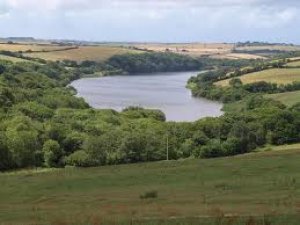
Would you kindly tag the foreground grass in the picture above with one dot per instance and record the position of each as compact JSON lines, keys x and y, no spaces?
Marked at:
{"x":287,"y":98}
{"x":189,"y":192}
{"x":279,"y":76}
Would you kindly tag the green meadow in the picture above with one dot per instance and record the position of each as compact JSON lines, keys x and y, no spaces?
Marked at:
{"x":256,"y":188}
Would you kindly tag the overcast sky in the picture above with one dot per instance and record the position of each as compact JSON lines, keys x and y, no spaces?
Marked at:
{"x":153,"y":20}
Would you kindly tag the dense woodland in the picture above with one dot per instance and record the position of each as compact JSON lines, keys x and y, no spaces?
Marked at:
{"x":43,"y":124}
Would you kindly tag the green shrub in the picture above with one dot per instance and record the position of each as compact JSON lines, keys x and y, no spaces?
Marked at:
{"x":149,"y":195}
{"x":78,"y":158}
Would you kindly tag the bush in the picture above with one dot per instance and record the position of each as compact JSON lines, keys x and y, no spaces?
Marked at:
{"x":78,"y":158}
{"x":149,"y":195}
{"x":52,"y":153}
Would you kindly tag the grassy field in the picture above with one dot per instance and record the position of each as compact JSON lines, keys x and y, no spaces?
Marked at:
{"x":294,"y":64}
{"x":270,"y":47}
{"x":215,"y":50}
{"x":238,"y":56}
{"x":27,"y":47}
{"x":13,"y":59}
{"x":279,"y":76}
{"x":94,"y":53}
{"x":287,"y":98}
{"x":215,"y":191}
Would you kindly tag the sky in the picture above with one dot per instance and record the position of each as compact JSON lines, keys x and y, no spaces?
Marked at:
{"x":153,"y":20}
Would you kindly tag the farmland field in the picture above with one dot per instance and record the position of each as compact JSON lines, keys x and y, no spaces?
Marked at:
{"x":30,"y":47}
{"x":287,"y":98}
{"x":270,"y":47}
{"x":257,"y":184}
{"x":94,"y":53}
{"x":279,"y":76}
{"x":13,"y":59}
{"x":238,"y":56}
{"x":215,"y":50}
{"x":294,"y":64}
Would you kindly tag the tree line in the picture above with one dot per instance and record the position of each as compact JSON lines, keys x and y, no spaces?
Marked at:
{"x":43,"y":124}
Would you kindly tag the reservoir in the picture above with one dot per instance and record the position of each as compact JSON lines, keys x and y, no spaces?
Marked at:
{"x":164,"y":91}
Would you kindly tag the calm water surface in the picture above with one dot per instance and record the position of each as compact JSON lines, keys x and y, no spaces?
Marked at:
{"x":164,"y":91}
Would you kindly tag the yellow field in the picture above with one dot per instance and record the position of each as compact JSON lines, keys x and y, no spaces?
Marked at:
{"x":93,"y":53}
{"x":279,"y":76}
{"x":27,"y":47}
{"x":269,"y":47}
{"x":214,"y":50}
{"x":238,"y":56}
{"x":196,"y":49}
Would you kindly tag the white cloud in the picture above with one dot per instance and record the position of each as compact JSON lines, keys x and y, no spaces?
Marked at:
{"x":171,"y":4}
{"x":159,"y":20}
{"x":269,"y":18}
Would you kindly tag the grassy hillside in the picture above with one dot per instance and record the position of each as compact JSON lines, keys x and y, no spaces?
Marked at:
{"x":93,"y":53}
{"x":287,"y":98}
{"x":279,"y":76}
{"x":13,"y":59}
{"x":265,"y":183}
{"x":294,"y":64}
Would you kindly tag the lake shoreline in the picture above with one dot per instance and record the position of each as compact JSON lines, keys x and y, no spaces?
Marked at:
{"x":165,"y":91}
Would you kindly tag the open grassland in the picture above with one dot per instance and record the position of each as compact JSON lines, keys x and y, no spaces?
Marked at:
{"x":13,"y":59}
{"x":93,"y":53}
{"x":279,"y":76}
{"x":287,"y":98}
{"x":215,"y":50}
{"x":294,"y":64}
{"x":286,"y":48}
{"x":30,"y":47}
{"x":193,"y":48}
{"x":188,"y":192}
{"x":238,"y":56}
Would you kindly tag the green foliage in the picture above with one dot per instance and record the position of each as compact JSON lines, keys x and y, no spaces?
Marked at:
{"x":44,"y":124}
{"x":52,"y":153}
{"x":154,"y":62}
{"x":79,"y":158}
{"x":138,"y":112}
{"x":149,"y":195}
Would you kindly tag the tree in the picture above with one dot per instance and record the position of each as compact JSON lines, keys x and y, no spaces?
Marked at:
{"x":78,"y":158}
{"x":52,"y":153}
{"x":235,"y":82}
{"x":22,"y":141}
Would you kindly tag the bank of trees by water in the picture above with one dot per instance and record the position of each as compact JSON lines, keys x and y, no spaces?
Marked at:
{"x":151,"y":63}
{"x":43,"y":124}
{"x":205,"y":84}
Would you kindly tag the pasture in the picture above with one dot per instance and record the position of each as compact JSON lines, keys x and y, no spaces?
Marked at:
{"x":82,"y":53}
{"x":30,"y":47}
{"x":279,"y":76}
{"x":287,"y":98}
{"x":278,"y":47}
{"x":294,"y":64}
{"x":264,"y":185}
{"x":13,"y":59}
{"x":215,"y":50}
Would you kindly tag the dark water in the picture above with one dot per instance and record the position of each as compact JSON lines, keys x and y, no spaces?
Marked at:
{"x":164,"y":91}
